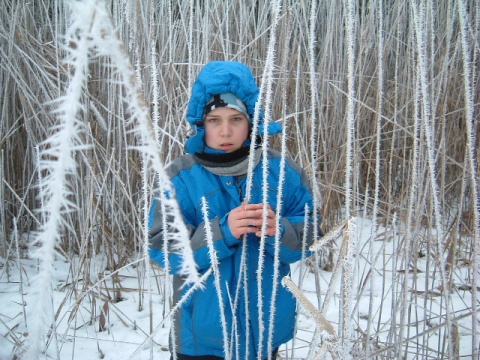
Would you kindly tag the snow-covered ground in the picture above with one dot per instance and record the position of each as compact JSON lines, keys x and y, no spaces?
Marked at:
{"x":125,"y":328}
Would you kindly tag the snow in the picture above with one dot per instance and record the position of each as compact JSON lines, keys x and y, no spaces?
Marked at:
{"x":126,"y":328}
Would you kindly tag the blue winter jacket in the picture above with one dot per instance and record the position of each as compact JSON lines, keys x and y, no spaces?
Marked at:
{"x":197,"y":325}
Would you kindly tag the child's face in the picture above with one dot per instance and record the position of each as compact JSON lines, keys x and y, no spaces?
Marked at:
{"x":226,"y":129}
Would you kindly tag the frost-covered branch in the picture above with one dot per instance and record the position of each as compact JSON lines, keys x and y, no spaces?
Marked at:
{"x":323,"y":325}
{"x":378,"y":163}
{"x":108,"y":44}
{"x":469,"y":77}
{"x":278,"y":211}
{"x":427,"y":112}
{"x":345,"y":309}
{"x":57,"y":162}
{"x":216,"y":276}
{"x":265,"y":88}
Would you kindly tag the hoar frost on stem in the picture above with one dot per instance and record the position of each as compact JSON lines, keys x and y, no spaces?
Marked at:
{"x":146,"y":186}
{"x":345,"y":230}
{"x":58,"y":163}
{"x":407,"y":250}
{"x":216,"y":276}
{"x":91,"y":32}
{"x":419,"y":22}
{"x":377,"y":165}
{"x":319,"y":318}
{"x":268,"y":101}
{"x":347,"y":281}
{"x":313,"y":104}
{"x":108,"y":44}
{"x":469,"y":76}
{"x":278,"y":211}
{"x":265,"y":87}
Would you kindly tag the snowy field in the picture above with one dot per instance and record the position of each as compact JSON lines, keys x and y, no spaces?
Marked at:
{"x":88,"y":327}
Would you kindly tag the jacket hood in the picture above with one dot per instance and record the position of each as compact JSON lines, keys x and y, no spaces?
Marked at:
{"x":218,"y":77}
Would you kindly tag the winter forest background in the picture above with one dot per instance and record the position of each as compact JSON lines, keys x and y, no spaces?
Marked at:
{"x":380,"y":101}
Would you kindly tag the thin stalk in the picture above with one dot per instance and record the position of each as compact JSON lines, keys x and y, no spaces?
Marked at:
{"x":419,"y":18}
{"x":59,"y":164}
{"x":216,"y":277}
{"x":268,"y":76}
{"x":409,"y":233}
{"x":347,"y":278}
{"x":378,"y":160}
{"x":3,"y":228}
{"x":468,"y":76}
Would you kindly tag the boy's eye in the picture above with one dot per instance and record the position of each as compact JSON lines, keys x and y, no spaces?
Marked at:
{"x":212,"y":120}
{"x":237,"y":118}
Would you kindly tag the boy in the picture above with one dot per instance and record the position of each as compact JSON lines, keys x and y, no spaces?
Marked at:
{"x":215,"y":167}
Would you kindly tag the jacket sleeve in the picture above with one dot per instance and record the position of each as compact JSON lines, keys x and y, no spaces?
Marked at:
{"x":297,"y":221}
{"x":223,"y":241}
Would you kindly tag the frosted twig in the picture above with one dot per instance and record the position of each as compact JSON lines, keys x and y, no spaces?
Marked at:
{"x":469,"y":76}
{"x":407,"y":250}
{"x":320,"y":320}
{"x":108,"y":44}
{"x":323,"y":325}
{"x":378,"y":162}
{"x":278,"y":211}
{"x":57,"y":161}
{"x":348,"y":285}
{"x":350,"y":113}
{"x":265,"y":87}
{"x":216,"y":276}
{"x":419,"y":19}
{"x":312,"y":36}
{"x":335,"y":274}
{"x":333,"y":234}
{"x":145,"y":245}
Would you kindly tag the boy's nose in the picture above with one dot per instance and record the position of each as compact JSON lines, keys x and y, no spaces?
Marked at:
{"x":225,"y":130}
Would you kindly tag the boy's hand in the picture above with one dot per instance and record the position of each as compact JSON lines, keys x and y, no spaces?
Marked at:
{"x":248,"y":218}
